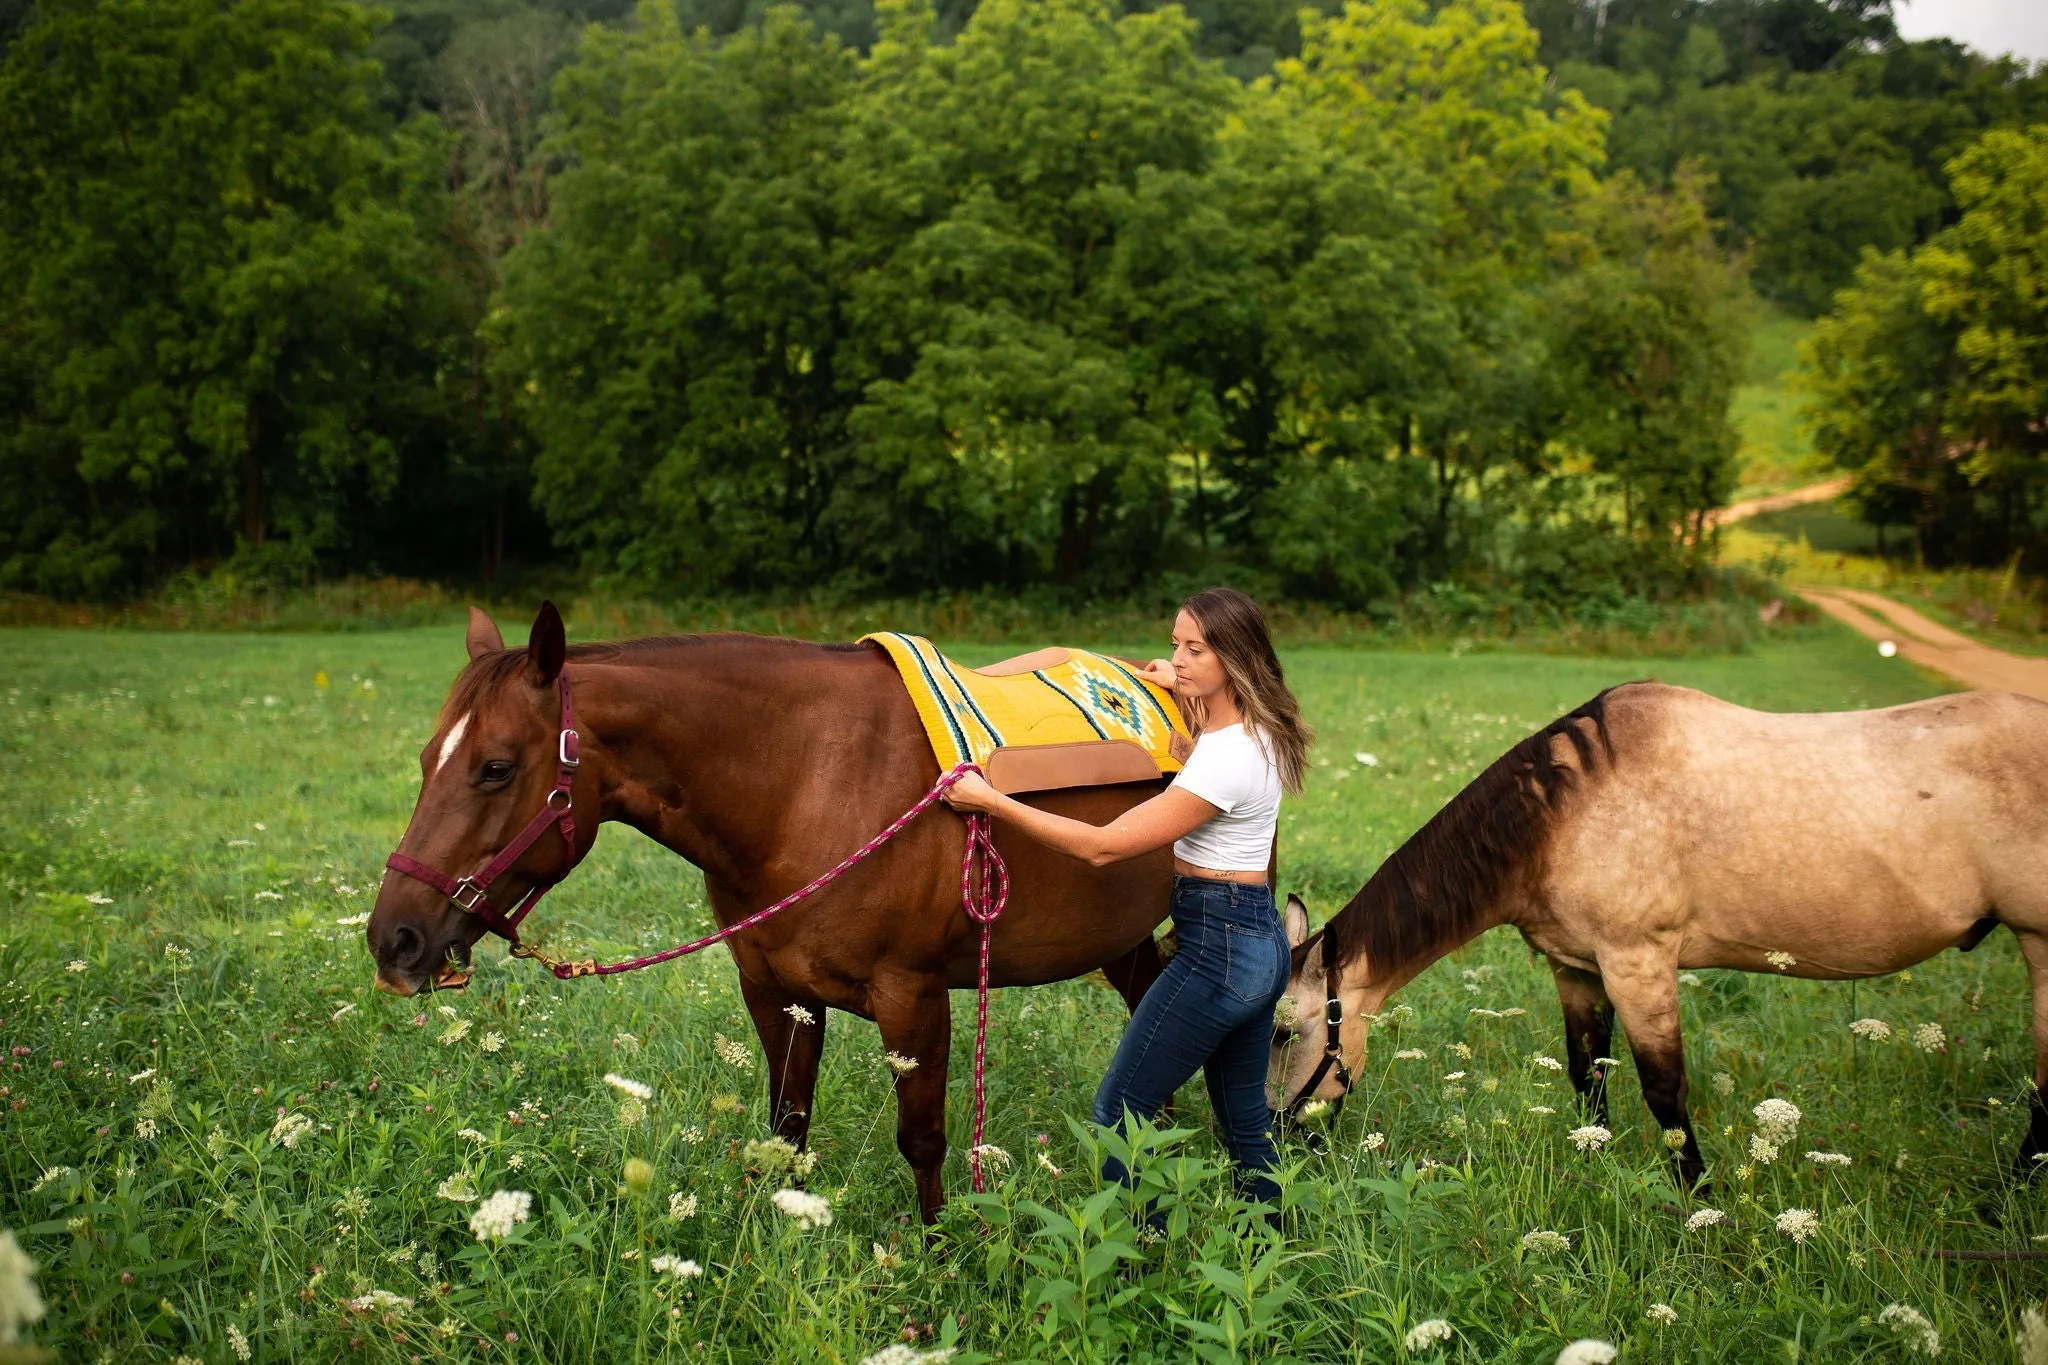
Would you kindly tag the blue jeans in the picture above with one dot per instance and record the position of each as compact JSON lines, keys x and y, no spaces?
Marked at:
{"x":1212,"y":1010}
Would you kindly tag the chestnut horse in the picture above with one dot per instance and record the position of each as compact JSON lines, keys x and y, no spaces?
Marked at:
{"x":763,"y":762}
{"x":1656,"y":828}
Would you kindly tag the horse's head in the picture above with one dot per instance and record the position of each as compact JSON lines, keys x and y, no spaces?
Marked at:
{"x":1316,"y":1042}
{"x":491,"y":769}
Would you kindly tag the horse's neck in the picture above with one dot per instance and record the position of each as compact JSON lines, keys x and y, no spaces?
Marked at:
{"x":1379,"y":983}
{"x":701,"y":746}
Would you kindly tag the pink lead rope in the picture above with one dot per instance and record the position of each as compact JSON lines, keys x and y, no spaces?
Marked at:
{"x":984,"y":891}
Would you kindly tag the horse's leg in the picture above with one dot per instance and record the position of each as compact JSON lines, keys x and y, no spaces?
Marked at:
{"x":1588,"y":1033}
{"x":793,"y":1048}
{"x":2025,"y":1166}
{"x":1645,"y":995}
{"x":916,"y":1020}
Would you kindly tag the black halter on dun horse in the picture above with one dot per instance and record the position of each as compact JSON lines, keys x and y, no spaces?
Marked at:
{"x":1656,"y":829}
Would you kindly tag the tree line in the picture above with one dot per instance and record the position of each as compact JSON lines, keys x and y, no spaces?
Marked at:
{"x":712,"y":298}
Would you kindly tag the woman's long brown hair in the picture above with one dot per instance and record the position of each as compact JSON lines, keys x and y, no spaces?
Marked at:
{"x":1235,"y":628}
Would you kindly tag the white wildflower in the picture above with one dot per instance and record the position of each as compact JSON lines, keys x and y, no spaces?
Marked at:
{"x":1547,"y":1063}
{"x":1427,"y":1335}
{"x":800,"y":1014}
{"x":217,"y":1144}
{"x":1828,"y":1158}
{"x":492,"y":1041}
{"x":809,"y":1210}
{"x":1373,"y":1142}
{"x":1918,"y":1331}
{"x":1544,"y":1240}
{"x":992,"y":1156}
{"x":1724,"y":1084}
{"x":1587,"y":1351}
{"x":1798,"y":1224}
{"x":141,"y":1076}
{"x":341,"y":1013}
{"x":2033,"y":1337}
{"x":351,"y":921}
{"x":1762,"y":1150}
{"x":730,"y":1052}
{"x":354,"y":1206}
{"x":1366,"y":760}
{"x":238,"y":1343}
{"x":457,"y":1189}
{"x":625,"y":1042}
{"x":51,"y":1177}
{"x":1783,"y":961}
{"x":886,"y":1259}
{"x":1045,"y":1163}
{"x":455,"y":1033}
{"x":770,"y":1154}
{"x":681,"y":1206}
{"x":1513,"y":1012}
{"x":1663,"y":1314}
{"x":1705,"y":1218}
{"x":1541,"y":1109}
{"x":290,"y":1130}
{"x":1483,"y":1013}
{"x":145,"y":1129}
{"x":1777,"y":1119}
{"x":380,"y":1301}
{"x":900,"y":1354}
{"x":635,"y":1089}
{"x":1314,"y":1109}
{"x":676,"y":1266}
{"x":1410,"y":1054}
{"x":20,"y":1304}
{"x":1876,"y":1030}
{"x":1930,"y":1038}
{"x":1589,"y":1138}
{"x":77,"y":964}
{"x":1454,"y":1075}
{"x":495,"y":1216}
{"x":471,"y":1135}
{"x":1688,"y":979}
{"x":899,"y":1063}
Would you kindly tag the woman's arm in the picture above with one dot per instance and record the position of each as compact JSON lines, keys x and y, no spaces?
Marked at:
{"x":1141,"y":829}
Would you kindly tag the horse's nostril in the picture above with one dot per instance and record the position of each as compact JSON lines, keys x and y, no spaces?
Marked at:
{"x":405,"y":947}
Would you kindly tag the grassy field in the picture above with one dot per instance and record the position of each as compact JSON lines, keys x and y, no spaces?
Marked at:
{"x":220,"y":1143}
{"x":1774,"y":454}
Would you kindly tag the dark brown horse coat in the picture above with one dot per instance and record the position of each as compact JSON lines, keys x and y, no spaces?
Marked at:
{"x":764,"y":762}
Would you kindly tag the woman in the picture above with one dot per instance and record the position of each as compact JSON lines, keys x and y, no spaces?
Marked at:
{"x":1212,"y":1008}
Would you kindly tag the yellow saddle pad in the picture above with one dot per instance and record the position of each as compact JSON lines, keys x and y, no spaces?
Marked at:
{"x":1070,"y":697}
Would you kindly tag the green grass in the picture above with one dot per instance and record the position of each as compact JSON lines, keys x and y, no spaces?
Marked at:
{"x":1774,"y":454}
{"x":187,"y":817}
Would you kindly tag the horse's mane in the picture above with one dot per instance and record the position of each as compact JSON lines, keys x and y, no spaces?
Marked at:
{"x":487,"y":672}
{"x":1434,"y":891}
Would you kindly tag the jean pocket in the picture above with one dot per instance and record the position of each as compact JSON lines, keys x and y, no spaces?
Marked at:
{"x":1251,"y":959}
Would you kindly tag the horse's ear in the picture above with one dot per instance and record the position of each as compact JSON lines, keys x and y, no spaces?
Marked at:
{"x":1296,"y":921}
{"x":483,"y":635}
{"x":547,"y":645}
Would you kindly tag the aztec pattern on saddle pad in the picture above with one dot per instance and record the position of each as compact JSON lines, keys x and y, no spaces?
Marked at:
{"x":968,"y":715}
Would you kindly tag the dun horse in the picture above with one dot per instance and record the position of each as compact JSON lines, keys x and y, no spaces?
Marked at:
{"x":1656,"y":828}
{"x":763,"y":762}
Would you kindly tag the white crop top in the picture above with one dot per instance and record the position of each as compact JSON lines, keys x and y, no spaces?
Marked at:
{"x":1231,"y":772}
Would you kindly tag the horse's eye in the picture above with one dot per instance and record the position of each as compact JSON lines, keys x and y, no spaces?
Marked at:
{"x":497,"y":770}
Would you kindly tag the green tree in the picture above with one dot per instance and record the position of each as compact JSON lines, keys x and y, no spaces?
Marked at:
{"x":224,"y":308}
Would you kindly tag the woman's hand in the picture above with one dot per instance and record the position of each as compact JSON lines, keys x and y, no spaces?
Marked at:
{"x":1160,"y":673}
{"x":972,"y":793}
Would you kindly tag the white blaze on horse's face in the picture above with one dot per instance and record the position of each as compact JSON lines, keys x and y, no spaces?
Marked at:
{"x":453,"y":741}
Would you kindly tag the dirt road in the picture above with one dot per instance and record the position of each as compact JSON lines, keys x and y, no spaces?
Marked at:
{"x":1931,"y":644}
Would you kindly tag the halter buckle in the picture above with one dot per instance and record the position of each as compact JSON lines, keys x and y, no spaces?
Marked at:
{"x":570,"y":760}
{"x":475,"y":895}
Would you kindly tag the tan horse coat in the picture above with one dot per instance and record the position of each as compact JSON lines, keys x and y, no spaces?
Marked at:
{"x":1658,"y":829}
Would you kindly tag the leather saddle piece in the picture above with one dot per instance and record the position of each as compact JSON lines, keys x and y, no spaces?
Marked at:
{"x":1085,"y":763}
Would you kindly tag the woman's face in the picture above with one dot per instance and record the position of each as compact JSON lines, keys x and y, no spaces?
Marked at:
{"x":1197,"y":669}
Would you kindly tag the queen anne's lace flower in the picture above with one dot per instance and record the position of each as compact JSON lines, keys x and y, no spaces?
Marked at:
{"x":1798,"y":1224}
{"x":457,"y":1188}
{"x":1547,"y":1063}
{"x":1427,"y":1335}
{"x":681,"y":1206}
{"x":732,"y":1053}
{"x":635,"y":1089}
{"x":290,"y":1130}
{"x":1876,"y":1030}
{"x":1587,"y":1351}
{"x":1910,"y":1324}
{"x":808,"y":1210}
{"x":20,"y":1304}
{"x":1544,"y":1240}
{"x":1589,"y":1138}
{"x":676,"y":1266}
{"x":899,"y":1063}
{"x":1777,"y":1120}
{"x":1663,"y":1314}
{"x":1828,"y":1158}
{"x":380,"y":1301}
{"x":495,"y":1216}
{"x":1930,"y":1038}
{"x":1705,"y":1218}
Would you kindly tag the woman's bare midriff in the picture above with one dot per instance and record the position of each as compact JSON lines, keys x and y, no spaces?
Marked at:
{"x":1187,"y":869}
